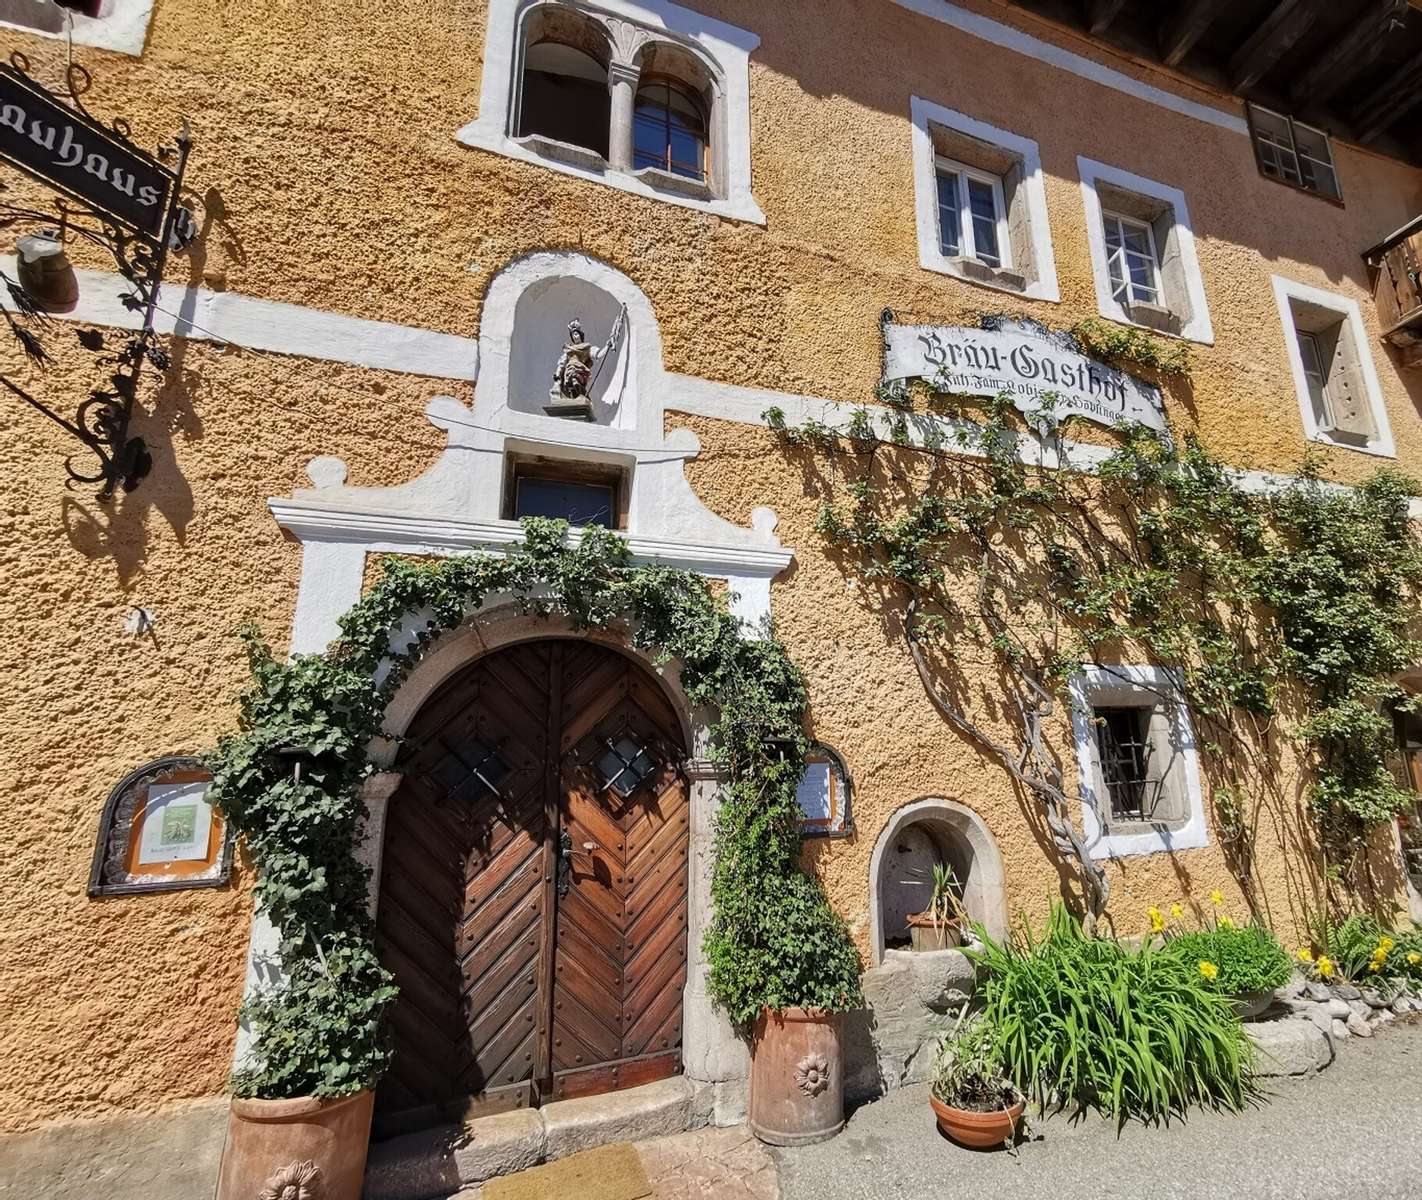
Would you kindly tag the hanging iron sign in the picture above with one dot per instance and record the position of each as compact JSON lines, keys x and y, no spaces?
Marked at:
{"x":73,"y":153}
{"x":1045,"y":373}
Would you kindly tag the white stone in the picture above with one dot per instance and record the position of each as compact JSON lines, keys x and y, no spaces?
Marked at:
{"x":1318,"y":992}
{"x":1340,"y":1030}
{"x":653,"y":1110}
{"x":1288,"y":1047}
{"x":437,"y":1161}
{"x":1359,"y":1027}
{"x":1338,"y":1008}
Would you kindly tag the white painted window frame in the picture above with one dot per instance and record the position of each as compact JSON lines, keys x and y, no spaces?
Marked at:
{"x":967,"y":237}
{"x":726,"y":45}
{"x":924,"y":115}
{"x":1199,"y":327}
{"x":1156,"y":284}
{"x":1287,"y":290}
{"x":1167,"y":685}
{"x":123,"y":28}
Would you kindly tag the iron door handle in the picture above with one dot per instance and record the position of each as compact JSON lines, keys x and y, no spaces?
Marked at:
{"x":565,"y":862}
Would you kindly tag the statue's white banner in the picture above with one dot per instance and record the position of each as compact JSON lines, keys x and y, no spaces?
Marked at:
{"x":1027,"y":362}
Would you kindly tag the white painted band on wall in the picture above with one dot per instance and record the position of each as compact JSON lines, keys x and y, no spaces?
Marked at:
{"x":204,"y":315}
{"x":1077,"y":64}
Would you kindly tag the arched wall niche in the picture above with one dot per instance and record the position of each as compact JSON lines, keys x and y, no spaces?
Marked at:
{"x":541,"y":318}
{"x":917,"y":836}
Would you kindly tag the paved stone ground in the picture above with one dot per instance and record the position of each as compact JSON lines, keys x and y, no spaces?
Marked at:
{"x":707,"y":1164}
{"x":1355,"y":1129}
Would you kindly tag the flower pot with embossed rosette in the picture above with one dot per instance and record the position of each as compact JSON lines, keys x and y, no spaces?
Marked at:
{"x":303,"y":1149}
{"x":797,"y":1077}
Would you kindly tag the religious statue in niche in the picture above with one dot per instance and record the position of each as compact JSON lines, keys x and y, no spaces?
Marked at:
{"x":577,"y":370}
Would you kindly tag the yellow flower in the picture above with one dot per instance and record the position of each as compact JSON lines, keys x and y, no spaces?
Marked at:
{"x":1217,"y":897}
{"x":1385,"y":944}
{"x":1157,"y":922}
{"x":1208,"y":970}
{"x":1324,"y":966}
{"x":1176,"y":911}
{"x":1372,"y":966}
{"x":1414,"y":958}
{"x":1224,"y":923}
{"x":1305,"y":955}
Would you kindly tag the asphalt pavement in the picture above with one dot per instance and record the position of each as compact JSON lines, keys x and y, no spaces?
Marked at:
{"x":1355,"y":1129}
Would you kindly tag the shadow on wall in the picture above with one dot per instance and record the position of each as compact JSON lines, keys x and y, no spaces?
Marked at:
{"x":119,"y":530}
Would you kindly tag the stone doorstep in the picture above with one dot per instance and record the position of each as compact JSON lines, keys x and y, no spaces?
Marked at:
{"x":434,"y":1163}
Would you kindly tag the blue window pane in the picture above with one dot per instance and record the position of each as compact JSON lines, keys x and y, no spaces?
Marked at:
{"x":950,"y":221}
{"x":669,"y":132}
{"x":576,"y":503}
{"x":984,"y":209}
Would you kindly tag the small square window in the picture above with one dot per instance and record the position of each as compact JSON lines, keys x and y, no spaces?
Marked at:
{"x":625,"y":766}
{"x":1298,"y":155}
{"x":972,"y":216}
{"x":470,"y":771}
{"x":579,"y":493}
{"x":1132,"y":260}
{"x":823,"y":794}
{"x":1338,"y":393}
{"x":1138,"y":768}
{"x":1123,"y":741}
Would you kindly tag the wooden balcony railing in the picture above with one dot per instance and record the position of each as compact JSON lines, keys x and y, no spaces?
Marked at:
{"x":1396,"y":268}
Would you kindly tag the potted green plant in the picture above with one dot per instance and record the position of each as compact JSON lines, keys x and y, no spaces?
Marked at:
{"x":1245,"y":963}
{"x":975,"y":1104}
{"x":939,"y":926}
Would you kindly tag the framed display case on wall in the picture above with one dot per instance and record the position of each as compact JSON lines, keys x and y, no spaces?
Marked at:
{"x":159,"y":833}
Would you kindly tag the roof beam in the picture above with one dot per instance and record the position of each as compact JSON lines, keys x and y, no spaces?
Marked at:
{"x":1179,"y":34}
{"x":1393,"y":98}
{"x":1349,"y":54}
{"x":1281,"y":30}
{"x":1100,"y":14}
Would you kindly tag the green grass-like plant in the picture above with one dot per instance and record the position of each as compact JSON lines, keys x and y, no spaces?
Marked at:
{"x":1249,"y":958}
{"x":1136,"y":1035}
{"x":1368,"y":952}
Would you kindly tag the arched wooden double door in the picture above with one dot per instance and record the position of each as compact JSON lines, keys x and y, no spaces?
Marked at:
{"x":533,"y":899}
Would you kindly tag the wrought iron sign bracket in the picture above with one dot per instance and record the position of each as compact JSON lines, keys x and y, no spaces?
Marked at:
{"x":112,"y":194}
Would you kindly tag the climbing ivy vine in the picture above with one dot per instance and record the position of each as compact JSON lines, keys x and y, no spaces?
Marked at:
{"x":1006,"y":566}
{"x":289,"y":781}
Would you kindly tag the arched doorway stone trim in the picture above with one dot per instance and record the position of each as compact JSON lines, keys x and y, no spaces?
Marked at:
{"x":985,"y":894}
{"x":711,"y":1051}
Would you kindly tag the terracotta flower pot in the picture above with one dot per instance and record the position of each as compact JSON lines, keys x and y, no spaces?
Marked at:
{"x":926,"y":937}
{"x":797,"y":1077}
{"x":303,"y":1149}
{"x":977,"y":1130}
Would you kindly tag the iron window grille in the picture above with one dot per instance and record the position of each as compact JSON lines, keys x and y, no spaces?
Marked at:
{"x":625,"y":766}
{"x":471,"y":771}
{"x":1123,"y":741}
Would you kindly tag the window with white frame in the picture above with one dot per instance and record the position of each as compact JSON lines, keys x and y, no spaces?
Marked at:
{"x":1139,"y":773}
{"x":1291,"y":153}
{"x":642,"y":95}
{"x":1143,"y":253}
{"x":1131,"y":260}
{"x":972,"y":216}
{"x":980,"y":202}
{"x":120,"y":25}
{"x":1339,"y":396}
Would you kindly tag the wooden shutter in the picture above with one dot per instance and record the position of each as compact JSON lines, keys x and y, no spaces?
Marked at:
{"x":1348,"y":411}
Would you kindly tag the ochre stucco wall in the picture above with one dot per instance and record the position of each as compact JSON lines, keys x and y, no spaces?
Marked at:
{"x":324,"y":153}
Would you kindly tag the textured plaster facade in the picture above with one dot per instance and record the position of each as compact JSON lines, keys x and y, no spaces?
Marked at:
{"x":325,"y":154}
